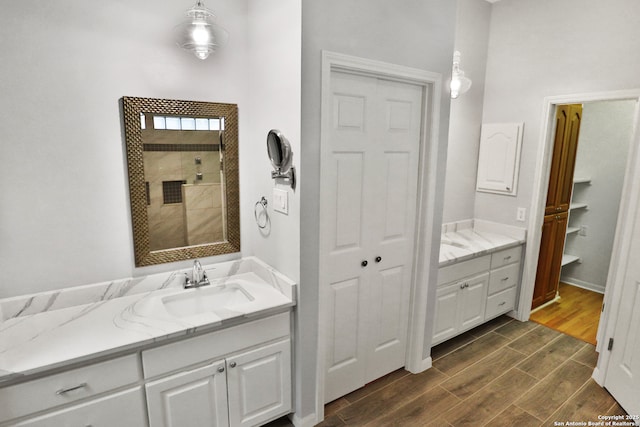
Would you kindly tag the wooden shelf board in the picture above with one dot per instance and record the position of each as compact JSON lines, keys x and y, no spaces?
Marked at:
{"x":571,"y":230}
{"x":582,"y":180}
{"x":568,"y":259}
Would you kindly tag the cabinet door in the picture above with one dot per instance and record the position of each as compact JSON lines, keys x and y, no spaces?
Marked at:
{"x":446,"y":319}
{"x":473,"y":300}
{"x":193,"y":398}
{"x":499,"y":158}
{"x":550,"y":258}
{"x":259,"y":383}
{"x":119,"y":409}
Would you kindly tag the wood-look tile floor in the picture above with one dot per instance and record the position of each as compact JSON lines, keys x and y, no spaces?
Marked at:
{"x":577,"y":313}
{"x":503,"y":373}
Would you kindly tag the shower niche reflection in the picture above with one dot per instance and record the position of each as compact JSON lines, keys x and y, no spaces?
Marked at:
{"x":183,"y":161}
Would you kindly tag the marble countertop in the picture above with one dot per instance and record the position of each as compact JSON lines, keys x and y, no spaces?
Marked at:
{"x":464,"y":240}
{"x":48,"y":331}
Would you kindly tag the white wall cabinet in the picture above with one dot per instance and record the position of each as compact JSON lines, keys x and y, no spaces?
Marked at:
{"x":499,"y":158}
{"x":472,"y":292}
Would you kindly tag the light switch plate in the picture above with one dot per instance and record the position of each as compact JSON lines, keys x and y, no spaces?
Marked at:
{"x":521,"y":214}
{"x":281,"y":201}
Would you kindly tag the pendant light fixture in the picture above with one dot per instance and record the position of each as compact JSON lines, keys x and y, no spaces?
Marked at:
{"x":199,"y":33}
{"x":459,"y":83}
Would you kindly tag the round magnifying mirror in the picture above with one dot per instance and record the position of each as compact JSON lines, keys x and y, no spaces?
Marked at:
{"x":279,"y":151}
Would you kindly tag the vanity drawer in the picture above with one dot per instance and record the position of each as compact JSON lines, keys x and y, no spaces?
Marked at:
{"x":457,"y":271}
{"x":125,"y":408}
{"x":67,"y":387}
{"x":508,"y":256}
{"x":214,"y":345}
{"x":503,"y":278}
{"x":500,"y":303}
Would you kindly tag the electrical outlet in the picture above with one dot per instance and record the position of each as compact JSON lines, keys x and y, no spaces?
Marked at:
{"x":280,"y":201}
{"x":521,"y":214}
{"x":584,"y":230}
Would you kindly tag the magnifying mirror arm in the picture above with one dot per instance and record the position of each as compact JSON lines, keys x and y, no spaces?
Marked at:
{"x":290,"y":175}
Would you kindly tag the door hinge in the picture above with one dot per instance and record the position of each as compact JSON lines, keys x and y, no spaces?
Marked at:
{"x":610,"y":344}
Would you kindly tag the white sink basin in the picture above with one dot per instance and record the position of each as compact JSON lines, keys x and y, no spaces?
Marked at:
{"x":206,"y":299}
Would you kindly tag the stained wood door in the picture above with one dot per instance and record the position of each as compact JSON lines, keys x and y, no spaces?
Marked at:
{"x":550,"y":258}
{"x":568,"y":118}
{"x":369,"y":187}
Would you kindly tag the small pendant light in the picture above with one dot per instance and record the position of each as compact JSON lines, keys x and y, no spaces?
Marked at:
{"x":199,"y":33}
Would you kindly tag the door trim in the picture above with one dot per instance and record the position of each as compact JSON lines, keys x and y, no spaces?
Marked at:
{"x":425,"y":259}
{"x":629,"y":203}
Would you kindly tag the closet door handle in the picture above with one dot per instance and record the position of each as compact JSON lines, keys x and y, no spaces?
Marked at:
{"x":364,"y":263}
{"x":378,"y":258}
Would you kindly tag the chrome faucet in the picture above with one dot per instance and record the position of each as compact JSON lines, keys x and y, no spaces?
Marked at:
{"x":198,"y":277}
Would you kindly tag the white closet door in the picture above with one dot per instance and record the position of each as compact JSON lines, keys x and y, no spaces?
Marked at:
{"x":368,"y":207}
{"x":623,"y":368}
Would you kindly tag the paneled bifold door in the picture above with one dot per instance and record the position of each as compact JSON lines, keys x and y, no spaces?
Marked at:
{"x":368,"y":210}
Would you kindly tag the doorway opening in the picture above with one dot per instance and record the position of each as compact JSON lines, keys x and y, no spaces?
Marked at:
{"x":586,"y":177}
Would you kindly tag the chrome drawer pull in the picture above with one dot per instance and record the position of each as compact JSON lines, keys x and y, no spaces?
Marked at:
{"x":502,"y":303}
{"x":507,"y":258}
{"x":505,"y":279}
{"x":67,"y":390}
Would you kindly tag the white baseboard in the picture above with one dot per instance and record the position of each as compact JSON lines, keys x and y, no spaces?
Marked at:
{"x":598,"y":376}
{"x":425,"y":364}
{"x":308,"y":421}
{"x":582,"y":284}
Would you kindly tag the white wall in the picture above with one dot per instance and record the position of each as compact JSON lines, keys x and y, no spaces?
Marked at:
{"x":472,"y":40}
{"x":413,"y":33}
{"x":540,"y":48}
{"x":603,"y":147}
{"x":274,"y":102}
{"x":66,"y":219}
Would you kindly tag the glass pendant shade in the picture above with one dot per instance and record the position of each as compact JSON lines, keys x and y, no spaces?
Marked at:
{"x":199,"y":33}
{"x":459,"y":83}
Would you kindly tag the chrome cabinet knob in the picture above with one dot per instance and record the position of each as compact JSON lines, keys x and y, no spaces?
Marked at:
{"x":378,"y":258}
{"x":232,"y":364}
{"x":221,"y":369}
{"x":364,"y":263}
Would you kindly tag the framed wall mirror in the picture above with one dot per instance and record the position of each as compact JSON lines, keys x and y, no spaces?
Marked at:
{"x":182,"y":158}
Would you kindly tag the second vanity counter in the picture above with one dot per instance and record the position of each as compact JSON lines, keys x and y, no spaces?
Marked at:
{"x":44,"y":332}
{"x":464,"y":240}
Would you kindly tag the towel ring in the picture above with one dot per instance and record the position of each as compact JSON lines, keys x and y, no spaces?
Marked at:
{"x":262,"y":203}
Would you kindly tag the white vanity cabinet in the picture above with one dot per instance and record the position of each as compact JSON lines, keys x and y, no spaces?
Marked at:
{"x":472,"y":292}
{"x":196,"y":397}
{"x":236,"y":376}
{"x":89,"y":395}
{"x":124,"y":408}
{"x":461,"y":297}
{"x":245,"y":381}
